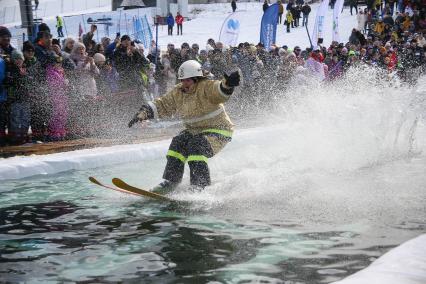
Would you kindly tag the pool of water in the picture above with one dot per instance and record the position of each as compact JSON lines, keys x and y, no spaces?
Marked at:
{"x":332,"y":179}
{"x":316,"y":228}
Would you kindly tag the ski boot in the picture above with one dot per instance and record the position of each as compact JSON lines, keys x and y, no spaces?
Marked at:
{"x":196,"y":188}
{"x":165,"y":187}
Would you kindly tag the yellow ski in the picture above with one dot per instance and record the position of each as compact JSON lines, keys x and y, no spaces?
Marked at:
{"x":95,"y":181}
{"x":141,"y":192}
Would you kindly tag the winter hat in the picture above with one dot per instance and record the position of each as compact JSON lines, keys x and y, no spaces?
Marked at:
{"x":28,"y":46}
{"x":77,"y":45}
{"x":43,"y":27}
{"x":253,"y":49}
{"x":68,"y":40}
{"x":42,"y":34}
{"x":5,"y":32}
{"x":125,"y":37}
{"x":16,"y":54}
{"x":98,"y":58}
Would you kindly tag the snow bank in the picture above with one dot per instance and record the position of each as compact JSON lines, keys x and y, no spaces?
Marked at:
{"x":21,"y":167}
{"x":405,"y":264}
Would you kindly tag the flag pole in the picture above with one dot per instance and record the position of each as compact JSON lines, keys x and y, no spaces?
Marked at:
{"x":309,"y":36}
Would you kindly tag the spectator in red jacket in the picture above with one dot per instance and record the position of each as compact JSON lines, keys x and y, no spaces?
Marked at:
{"x":179,"y":21}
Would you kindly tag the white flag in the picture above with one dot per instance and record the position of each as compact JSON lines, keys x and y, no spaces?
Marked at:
{"x":230,"y":30}
{"x":338,"y":6}
{"x":319,"y":22}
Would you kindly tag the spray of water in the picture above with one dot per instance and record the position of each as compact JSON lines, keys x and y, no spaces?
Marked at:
{"x":328,"y":152}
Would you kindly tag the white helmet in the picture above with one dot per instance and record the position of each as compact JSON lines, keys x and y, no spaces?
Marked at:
{"x":189,"y":69}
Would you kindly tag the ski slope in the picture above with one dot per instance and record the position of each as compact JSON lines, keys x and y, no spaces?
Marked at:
{"x":205,"y":22}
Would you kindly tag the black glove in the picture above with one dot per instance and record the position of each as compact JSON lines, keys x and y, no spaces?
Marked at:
{"x":233,"y":79}
{"x":134,"y":120}
{"x":143,"y":114}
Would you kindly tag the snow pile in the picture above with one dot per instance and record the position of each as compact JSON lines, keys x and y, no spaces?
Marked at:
{"x":405,"y":264}
{"x":21,"y":167}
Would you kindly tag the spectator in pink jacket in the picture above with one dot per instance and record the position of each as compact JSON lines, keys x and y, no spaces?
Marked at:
{"x":58,"y":96}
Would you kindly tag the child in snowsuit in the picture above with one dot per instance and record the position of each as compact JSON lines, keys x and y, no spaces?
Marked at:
{"x":288,"y":20}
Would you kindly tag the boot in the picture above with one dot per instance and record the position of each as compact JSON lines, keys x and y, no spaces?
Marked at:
{"x":165,"y":187}
{"x":196,"y":188}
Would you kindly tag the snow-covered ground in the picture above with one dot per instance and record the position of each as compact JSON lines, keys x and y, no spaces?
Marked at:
{"x":366,"y":117}
{"x":206,"y":22}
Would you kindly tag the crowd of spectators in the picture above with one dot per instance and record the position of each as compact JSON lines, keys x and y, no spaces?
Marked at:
{"x":81,"y":88}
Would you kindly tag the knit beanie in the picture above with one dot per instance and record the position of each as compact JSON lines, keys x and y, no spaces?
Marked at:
{"x":125,"y":37}
{"x":16,"y":54}
{"x":28,"y":46}
{"x":99,"y":57}
{"x":5,"y":32}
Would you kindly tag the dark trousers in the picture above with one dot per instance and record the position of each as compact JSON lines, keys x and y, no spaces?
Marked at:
{"x":356,"y":8}
{"x":194,"y":149}
{"x":40,"y":114}
{"x":185,"y":147}
{"x":179,"y":27}
{"x":20,"y":118}
{"x":4,"y":118}
{"x":60,"y":33}
{"x":280,"y":17}
{"x":170,"y":30}
{"x":304,"y":20}
{"x":288,"y":26}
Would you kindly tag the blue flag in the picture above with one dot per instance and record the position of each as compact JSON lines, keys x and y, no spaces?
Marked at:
{"x":268,"y":26}
{"x":143,"y":34}
{"x":147,"y":29}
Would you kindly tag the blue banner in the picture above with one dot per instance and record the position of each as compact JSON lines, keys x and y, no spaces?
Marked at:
{"x":268,"y":26}
{"x":147,"y":29}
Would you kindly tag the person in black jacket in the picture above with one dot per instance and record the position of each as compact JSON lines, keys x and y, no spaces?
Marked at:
{"x":306,"y":9}
{"x":296,"y":15}
{"x":265,"y":6}
{"x":6,"y":50}
{"x":129,"y":63}
{"x":353,"y":4}
{"x":19,"y":86}
{"x":233,"y":5}
{"x":43,"y":51}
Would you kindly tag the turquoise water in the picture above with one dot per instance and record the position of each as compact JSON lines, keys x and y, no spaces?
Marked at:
{"x":332,"y":179}
{"x":62,"y":228}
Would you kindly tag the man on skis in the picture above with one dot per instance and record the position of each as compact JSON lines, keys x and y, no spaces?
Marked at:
{"x":199,"y":103}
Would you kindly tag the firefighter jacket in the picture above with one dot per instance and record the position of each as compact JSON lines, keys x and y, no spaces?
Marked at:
{"x":201,"y":108}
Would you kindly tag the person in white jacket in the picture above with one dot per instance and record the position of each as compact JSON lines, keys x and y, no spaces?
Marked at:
{"x":361,"y":18}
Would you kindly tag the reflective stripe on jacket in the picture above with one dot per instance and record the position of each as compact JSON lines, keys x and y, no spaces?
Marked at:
{"x":200,"y":109}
